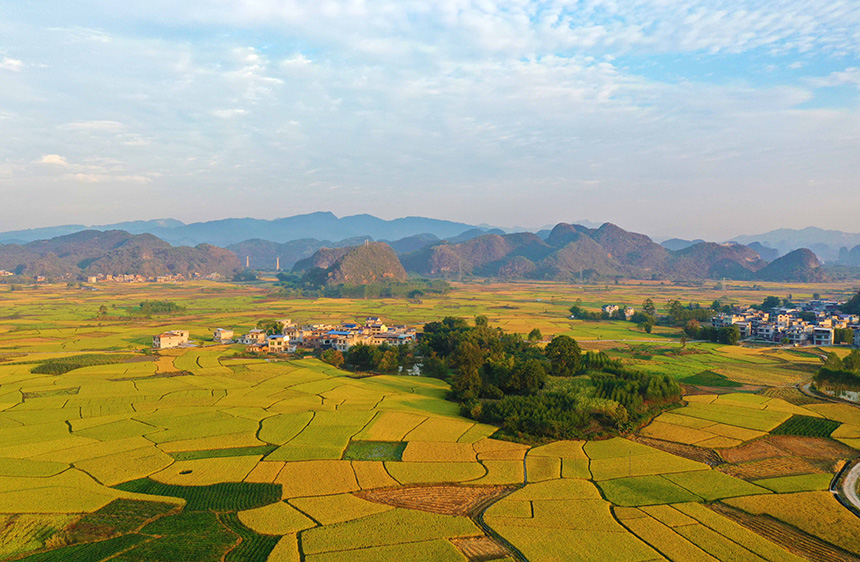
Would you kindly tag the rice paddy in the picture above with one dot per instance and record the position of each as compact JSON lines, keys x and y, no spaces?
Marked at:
{"x":255,"y":459}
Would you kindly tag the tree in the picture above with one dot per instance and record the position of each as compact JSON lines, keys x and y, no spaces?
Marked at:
{"x":245,"y":275}
{"x":535,"y":335}
{"x":527,"y":377}
{"x":388,"y":362}
{"x":816,"y":296}
{"x":361,"y":357}
{"x":564,"y":356}
{"x":852,"y":361}
{"x":103,"y":310}
{"x":843,"y":335}
{"x":771,"y":302}
{"x":333,"y":357}
{"x":271,"y":327}
{"x":729,"y":335}
{"x":647,"y":325}
{"x":481,"y":321}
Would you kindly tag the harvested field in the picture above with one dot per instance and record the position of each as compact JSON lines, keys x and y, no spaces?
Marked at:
{"x":445,"y":500}
{"x":480,"y":549}
{"x":780,"y":466}
{"x":698,"y":454}
{"x":812,"y":447}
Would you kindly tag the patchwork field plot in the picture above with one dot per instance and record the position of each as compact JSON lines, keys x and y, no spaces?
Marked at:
{"x":194,"y":454}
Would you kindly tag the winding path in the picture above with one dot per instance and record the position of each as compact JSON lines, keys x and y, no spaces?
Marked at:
{"x":848,"y":490}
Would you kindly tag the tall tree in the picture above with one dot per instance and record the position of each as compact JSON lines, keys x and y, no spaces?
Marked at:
{"x":564,"y":356}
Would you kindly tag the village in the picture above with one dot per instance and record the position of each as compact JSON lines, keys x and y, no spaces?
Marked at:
{"x":290,"y":337}
{"x":812,"y":323}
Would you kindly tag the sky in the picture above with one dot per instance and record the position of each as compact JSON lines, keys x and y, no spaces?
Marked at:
{"x":690,"y":118}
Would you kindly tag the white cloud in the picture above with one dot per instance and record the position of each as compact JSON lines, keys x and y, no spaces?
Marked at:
{"x":96,"y":126}
{"x":14,"y":65}
{"x":229,"y":113}
{"x":849,"y":76}
{"x":53,"y":160}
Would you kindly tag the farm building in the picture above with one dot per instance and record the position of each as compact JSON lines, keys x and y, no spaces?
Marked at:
{"x":223,"y":336}
{"x":173,"y":338}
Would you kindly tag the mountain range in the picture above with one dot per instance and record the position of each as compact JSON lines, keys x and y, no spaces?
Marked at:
{"x":91,"y":252}
{"x":428,"y":247}
{"x":233,"y":231}
{"x":572,"y":252}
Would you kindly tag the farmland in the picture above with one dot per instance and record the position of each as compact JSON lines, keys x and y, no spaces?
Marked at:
{"x":110,"y":452}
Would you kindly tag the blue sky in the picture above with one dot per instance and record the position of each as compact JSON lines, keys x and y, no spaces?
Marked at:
{"x":671,"y":117}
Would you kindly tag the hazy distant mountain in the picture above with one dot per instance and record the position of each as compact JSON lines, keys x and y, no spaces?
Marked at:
{"x":800,"y":265}
{"x":768,"y":254}
{"x":319,"y":226}
{"x":571,"y":252}
{"x":114,"y":252}
{"x":676,"y":244}
{"x":133,"y":227}
{"x":825,"y":243}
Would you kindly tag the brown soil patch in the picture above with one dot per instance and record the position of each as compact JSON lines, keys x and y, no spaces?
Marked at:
{"x":707,"y":456}
{"x":780,"y":466}
{"x":480,"y":549}
{"x":790,"y":538}
{"x":812,"y":447}
{"x":753,"y":451}
{"x":447,"y":500}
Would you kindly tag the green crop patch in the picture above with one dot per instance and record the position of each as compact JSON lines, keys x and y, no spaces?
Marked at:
{"x":710,"y":378}
{"x":221,"y":453}
{"x":118,"y":517}
{"x":254,"y":547}
{"x":374,"y":451}
{"x":229,"y":496}
{"x":806,"y":426}
{"x":62,"y":365}
{"x":90,"y":552}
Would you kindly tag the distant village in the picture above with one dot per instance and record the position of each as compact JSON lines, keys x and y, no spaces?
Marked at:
{"x":108,"y":278}
{"x":814,"y":323}
{"x":293,"y":337}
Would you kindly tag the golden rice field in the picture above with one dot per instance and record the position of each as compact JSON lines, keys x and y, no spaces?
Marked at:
{"x":263,"y":460}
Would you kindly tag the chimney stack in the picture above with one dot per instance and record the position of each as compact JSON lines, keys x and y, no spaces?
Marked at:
{"x":277,"y":264}
{"x":248,"y":262}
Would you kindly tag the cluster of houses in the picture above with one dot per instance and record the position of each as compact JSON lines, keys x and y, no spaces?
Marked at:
{"x":611,"y":309}
{"x":292,"y":336}
{"x":108,"y":278}
{"x":793,"y":326}
{"x":321,"y":336}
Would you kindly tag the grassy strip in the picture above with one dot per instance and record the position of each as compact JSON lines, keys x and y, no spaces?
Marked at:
{"x":230,"y":496}
{"x":806,"y":426}
{"x":374,"y":451}
{"x":221,"y":453}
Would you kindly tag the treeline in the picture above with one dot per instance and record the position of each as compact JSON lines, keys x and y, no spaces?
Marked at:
{"x":62,"y":365}
{"x":385,"y":359}
{"x":291,"y":285}
{"x":156,"y":308}
{"x":843,"y":374}
{"x":501,"y":378}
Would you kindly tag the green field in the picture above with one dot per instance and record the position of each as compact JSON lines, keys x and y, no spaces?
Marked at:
{"x":110,"y":451}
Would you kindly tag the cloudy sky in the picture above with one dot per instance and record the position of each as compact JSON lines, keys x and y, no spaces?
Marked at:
{"x":705,"y":118}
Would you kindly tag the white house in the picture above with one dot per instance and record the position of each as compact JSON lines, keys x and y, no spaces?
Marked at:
{"x":166,"y":340}
{"x":223,"y":336}
{"x":254,"y":337}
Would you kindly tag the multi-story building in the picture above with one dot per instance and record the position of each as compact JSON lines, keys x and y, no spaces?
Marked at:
{"x":223,"y":336}
{"x":167,"y":340}
{"x":822,"y":336}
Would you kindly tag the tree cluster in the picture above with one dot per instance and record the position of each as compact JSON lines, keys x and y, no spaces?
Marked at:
{"x":840,"y":373}
{"x":501,"y":378}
